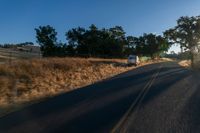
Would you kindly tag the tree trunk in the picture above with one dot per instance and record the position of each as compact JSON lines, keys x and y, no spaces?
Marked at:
{"x":192,"y":59}
{"x":192,"y":52}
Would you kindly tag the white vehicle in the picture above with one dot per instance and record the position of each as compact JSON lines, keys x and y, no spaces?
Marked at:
{"x":133,"y":60}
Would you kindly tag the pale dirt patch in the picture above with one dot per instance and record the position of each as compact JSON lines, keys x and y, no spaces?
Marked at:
{"x":167,"y":59}
{"x":185,"y":63}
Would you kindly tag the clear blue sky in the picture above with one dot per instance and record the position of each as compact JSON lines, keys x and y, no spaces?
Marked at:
{"x":18,"y":18}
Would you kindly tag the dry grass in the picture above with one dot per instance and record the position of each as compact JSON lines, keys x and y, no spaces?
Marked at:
{"x":30,"y":80}
{"x":26,"y":81}
{"x":167,"y":59}
{"x":185,"y":63}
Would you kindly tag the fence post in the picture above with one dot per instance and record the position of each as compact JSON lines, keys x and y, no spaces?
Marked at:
{"x":10,"y":57}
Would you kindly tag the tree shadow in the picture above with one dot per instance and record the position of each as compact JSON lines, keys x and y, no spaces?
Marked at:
{"x":190,"y":114}
{"x":164,"y":81}
{"x":114,"y":63}
{"x":101,"y":104}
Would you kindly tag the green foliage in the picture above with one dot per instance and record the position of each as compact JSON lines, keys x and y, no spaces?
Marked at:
{"x":130,"y":45}
{"x":185,"y":55}
{"x":151,"y":45}
{"x":94,"y":42}
{"x":186,"y":33}
{"x":46,"y":38}
{"x":144,"y":58}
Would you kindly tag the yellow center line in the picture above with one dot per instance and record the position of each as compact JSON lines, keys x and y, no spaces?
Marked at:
{"x":138,"y":100}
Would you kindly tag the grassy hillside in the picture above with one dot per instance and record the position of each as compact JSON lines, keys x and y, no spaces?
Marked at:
{"x":7,"y":54}
{"x":30,"y":80}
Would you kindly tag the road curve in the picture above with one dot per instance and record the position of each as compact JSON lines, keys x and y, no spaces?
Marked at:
{"x":162,"y":97}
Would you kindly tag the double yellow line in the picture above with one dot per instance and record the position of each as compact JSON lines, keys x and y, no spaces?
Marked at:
{"x":120,"y":127}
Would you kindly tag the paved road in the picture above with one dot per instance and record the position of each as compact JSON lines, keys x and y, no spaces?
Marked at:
{"x":156,"y":98}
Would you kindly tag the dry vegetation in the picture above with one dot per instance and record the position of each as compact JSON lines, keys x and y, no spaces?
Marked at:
{"x":30,"y":80}
{"x":185,"y":63}
{"x":27,"y":81}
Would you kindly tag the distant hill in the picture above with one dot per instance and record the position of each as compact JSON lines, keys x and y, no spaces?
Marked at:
{"x":24,"y":52}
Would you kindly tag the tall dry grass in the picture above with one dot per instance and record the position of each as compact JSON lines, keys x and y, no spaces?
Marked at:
{"x":30,"y":80}
{"x":185,"y":63}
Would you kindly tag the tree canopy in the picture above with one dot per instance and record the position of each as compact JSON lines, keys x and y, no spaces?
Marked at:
{"x":46,"y":38}
{"x":186,"y":33}
{"x":95,"y":42}
{"x":151,"y":45}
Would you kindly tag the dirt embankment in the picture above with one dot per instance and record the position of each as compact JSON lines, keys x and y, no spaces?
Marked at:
{"x":27,"y":81}
{"x":185,"y":63}
{"x":30,"y":80}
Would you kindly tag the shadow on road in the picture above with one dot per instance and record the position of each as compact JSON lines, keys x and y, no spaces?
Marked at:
{"x":96,"y":107}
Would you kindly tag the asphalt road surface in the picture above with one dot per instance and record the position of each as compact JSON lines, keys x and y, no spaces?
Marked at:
{"x":157,"y":98}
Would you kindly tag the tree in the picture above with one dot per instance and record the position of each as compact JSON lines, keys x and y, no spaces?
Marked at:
{"x":130,"y":45}
{"x":186,"y":33}
{"x":25,"y":43}
{"x":97,"y":42}
{"x":162,"y":45}
{"x":92,"y":40}
{"x":117,"y":33}
{"x":46,"y":37}
{"x":117,"y":41}
{"x":70,"y":50}
{"x":76,"y":41}
{"x":151,"y":45}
